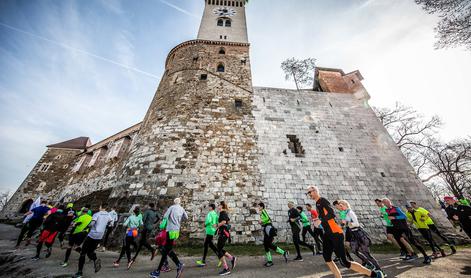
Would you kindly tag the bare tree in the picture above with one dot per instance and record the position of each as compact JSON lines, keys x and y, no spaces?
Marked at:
{"x":301,"y":71}
{"x":4,"y":197}
{"x":454,"y":29}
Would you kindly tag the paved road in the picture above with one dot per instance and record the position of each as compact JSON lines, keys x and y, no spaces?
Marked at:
{"x":17,"y":263}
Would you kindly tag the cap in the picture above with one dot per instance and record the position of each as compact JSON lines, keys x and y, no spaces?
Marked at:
{"x":446,"y":198}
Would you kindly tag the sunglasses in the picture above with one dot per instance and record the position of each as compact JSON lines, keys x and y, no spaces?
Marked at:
{"x":309,"y":192}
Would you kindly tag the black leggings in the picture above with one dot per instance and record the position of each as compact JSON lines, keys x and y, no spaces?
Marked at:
{"x":316,"y":234}
{"x":143,"y":242}
{"x":334,"y":243}
{"x":268,"y":239}
{"x":208,"y":242}
{"x":28,"y":229}
{"x":167,"y":251}
{"x":407,"y":234}
{"x":360,"y":245}
{"x":88,"y":249}
{"x":220,"y":245}
{"x":428,"y":236}
{"x":434,"y":229}
{"x":297,"y":242}
{"x":127,"y":242}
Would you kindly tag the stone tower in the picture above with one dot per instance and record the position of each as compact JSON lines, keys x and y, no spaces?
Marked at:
{"x":198,"y":140}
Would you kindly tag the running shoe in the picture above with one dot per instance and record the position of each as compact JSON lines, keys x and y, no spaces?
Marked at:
{"x":200,"y":263}
{"x":224,"y":272}
{"x":427,"y":260}
{"x":403,"y":254}
{"x":298,"y":259}
{"x":233,"y":262}
{"x":78,"y":275}
{"x":97,"y":264}
{"x":35,"y":258}
{"x":179,"y":270}
{"x":165,"y":268}
{"x":48,"y":252}
{"x":64,"y":264}
{"x":268,"y":264}
{"x":378,"y":273}
{"x":116,"y":264}
{"x":453,"y":249}
{"x":130,"y":263}
{"x":155,"y":274}
{"x":285,"y":256}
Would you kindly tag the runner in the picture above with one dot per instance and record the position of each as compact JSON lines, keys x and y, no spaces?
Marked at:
{"x":418,"y":219}
{"x":78,"y":234}
{"x":401,"y":229}
{"x":109,"y":228}
{"x":98,"y":225}
{"x":69,"y":217}
{"x":132,"y":225}
{"x":434,"y":228}
{"x":360,"y":241}
{"x":318,"y":232}
{"x":347,"y":233}
{"x":34,"y":223}
{"x":293,"y":219}
{"x":51,"y":226}
{"x":389,"y":230}
{"x":210,"y":224}
{"x":171,"y":222}
{"x":333,"y":240}
{"x":149,"y":219}
{"x":224,"y":235}
{"x":306,"y":225}
{"x":459,"y":213}
{"x":269,"y":233}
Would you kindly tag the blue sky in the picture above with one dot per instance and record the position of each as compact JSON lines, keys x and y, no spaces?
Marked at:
{"x":72,"y":68}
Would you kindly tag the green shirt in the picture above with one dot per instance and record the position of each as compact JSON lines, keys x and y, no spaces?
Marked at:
{"x":384,"y":214}
{"x":265,"y":218}
{"x":82,"y":223}
{"x":304,"y":219}
{"x":425,"y":213}
{"x":211,"y":220}
{"x":418,"y":219}
{"x":343,"y":214}
{"x":134,"y":221}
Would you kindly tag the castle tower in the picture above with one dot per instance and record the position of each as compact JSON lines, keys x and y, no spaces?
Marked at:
{"x":197,"y":140}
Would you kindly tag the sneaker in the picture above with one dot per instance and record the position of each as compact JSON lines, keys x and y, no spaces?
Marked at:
{"x":152,"y":255}
{"x":179,"y":270}
{"x":97,"y":264}
{"x":319,"y":253}
{"x":298,"y":259}
{"x":116,"y":264}
{"x":224,"y":272}
{"x":35,"y":258}
{"x":64,"y":264}
{"x":130,"y":263}
{"x":378,"y":274}
{"x":268,"y":264}
{"x":453,"y":249}
{"x":427,"y":260}
{"x":408,"y":258}
{"x":78,"y":275}
{"x":403,"y":254}
{"x":155,"y":274}
{"x":233,"y":262}
{"x":165,"y":268}
{"x":48,"y":252}
{"x":285,"y":256}
{"x":201,"y":263}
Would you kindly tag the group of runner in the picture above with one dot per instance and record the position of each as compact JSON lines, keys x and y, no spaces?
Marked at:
{"x":331,"y":237}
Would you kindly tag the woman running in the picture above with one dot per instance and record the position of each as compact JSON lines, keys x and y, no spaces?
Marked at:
{"x":360,"y":242}
{"x":269,"y":233}
{"x":224,"y":235}
{"x":132,"y":225}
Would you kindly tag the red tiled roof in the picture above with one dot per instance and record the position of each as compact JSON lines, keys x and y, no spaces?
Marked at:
{"x":79,"y":143}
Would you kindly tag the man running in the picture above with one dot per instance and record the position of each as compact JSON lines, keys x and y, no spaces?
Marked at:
{"x":171,"y":222}
{"x":78,"y":234}
{"x":210,"y":224}
{"x":293,"y":219}
{"x":333,"y":240}
{"x":149,"y":219}
{"x":306,"y":225}
{"x":51,"y":226}
{"x":401,"y":229}
{"x":433,"y":228}
{"x":34,"y":223}
{"x":459,"y":213}
{"x":98,"y":225}
{"x":318,"y":232}
{"x":269,"y":233}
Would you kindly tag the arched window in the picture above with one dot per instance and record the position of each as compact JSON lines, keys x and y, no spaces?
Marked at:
{"x":221,"y":68}
{"x":222,"y":51}
{"x":220,"y":22}
{"x":228,"y":23}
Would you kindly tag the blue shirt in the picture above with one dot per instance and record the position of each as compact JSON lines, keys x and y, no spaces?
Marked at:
{"x":39,"y":212}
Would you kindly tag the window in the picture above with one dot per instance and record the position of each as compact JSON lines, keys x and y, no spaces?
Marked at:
{"x":114,"y":152}
{"x":238,"y":103}
{"x":220,"y":68}
{"x":228,"y":23}
{"x":95,"y":156}
{"x":222,"y":51}
{"x":383,"y":174}
{"x":225,"y":37}
{"x":341,"y":149}
{"x":220,"y":22}
{"x":295,"y":146}
{"x":44,"y":167}
{"x":58,"y":157}
{"x":204,"y":77}
{"x":220,"y":37}
{"x":79,"y":163}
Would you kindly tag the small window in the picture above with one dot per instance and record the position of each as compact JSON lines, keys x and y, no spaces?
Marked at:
{"x":220,"y":22}
{"x":44,"y":167}
{"x":204,"y":77}
{"x":383,"y":174}
{"x":222,"y":51}
{"x":228,"y":23}
{"x":220,"y":68}
{"x":353,"y":81}
{"x":58,"y":157}
{"x":243,"y":62}
{"x":195,"y":59}
{"x":220,"y":37}
{"x":295,"y":146}
{"x":238,"y":103}
{"x":225,"y":37}
{"x":341,"y":149}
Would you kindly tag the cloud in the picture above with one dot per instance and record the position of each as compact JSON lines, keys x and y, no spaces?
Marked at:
{"x":179,"y":9}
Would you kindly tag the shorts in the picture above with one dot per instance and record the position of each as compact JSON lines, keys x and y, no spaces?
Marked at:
{"x":77,"y":239}
{"x":333,"y":243}
{"x":390,"y":230}
{"x":48,"y":236}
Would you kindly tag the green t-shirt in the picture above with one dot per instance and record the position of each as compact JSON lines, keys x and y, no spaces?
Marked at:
{"x":418,"y":219}
{"x":305,"y":220}
{"x":425,"y":213}
{"x":82,"y":223}
{"x":384,"y":214}
{"x":265,"y":218}
{"x":211,"y":220}
{"x":343,"y":214}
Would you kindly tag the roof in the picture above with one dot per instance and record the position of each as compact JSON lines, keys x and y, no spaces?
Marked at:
{"x":79,"y":143}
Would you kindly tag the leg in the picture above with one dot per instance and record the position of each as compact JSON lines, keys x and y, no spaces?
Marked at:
{"x":327,"y":246}
{"x":86,"y":246}
{"x":339,"y":249}
{"x":414,"y":242}
{"x":33,"y":226}
{"x":391,"y":239}
{"x":303,"y":233}
{"x":23,"y":231}
{"x":428,"y":237}
{"x":296,"y":241}
{"x":123,"y":250}
{"x":211,"y":245}
{"x":38,"y":249}
{"x":207,"y":240}
{"x":317,"y":237}
{"x":129,"y":241}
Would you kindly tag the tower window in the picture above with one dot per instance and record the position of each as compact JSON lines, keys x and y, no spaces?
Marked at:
{"x":220,"y":37}
{"x":204,"y":77}
{"x":220,"y":68}
{"x":238,"y":103}
{"x":295,"y":146}
{"x":225,"y":37}
{"x":228,"y":23}
{"x":220,"y":22}
{"x":222,"y":51}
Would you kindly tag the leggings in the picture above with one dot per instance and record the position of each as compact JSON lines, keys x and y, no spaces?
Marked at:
{"x":208,"y":242}
{"x":434,"y":229}
{"x":143,"y":242}
{"x":333,"y":243}
{"x":108,"y":231}
{"x":268,"y":239}
{"x":316,"y":234}
{"x":361,"y":247}
{"x":88,"y":249}
{"x":28,"y":229}
{"x":407,"y":234}
{"x":127,"y":242}
{"x":220,"y":245}
{"x":428,"y":236}
{"x":168,"y":252}
{"x":297,"y":242}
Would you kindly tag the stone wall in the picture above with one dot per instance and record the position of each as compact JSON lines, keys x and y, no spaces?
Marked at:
{"x":347,"y":153}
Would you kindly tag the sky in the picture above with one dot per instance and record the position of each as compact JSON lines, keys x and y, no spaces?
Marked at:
{"x":71,"y":68}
